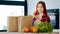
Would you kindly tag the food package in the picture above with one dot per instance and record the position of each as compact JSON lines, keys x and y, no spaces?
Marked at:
{"x":12,"y":24}
{"x":24,"y":21}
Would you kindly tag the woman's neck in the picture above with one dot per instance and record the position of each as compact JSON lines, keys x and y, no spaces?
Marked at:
{"x":40,"y":13}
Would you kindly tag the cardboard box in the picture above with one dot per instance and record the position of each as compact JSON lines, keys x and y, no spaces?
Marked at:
{"x":12,"y":24}
{"x":24,"y":21}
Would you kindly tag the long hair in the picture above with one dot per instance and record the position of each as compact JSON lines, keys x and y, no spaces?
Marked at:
{"x":45,"y":17}
{"x":44,"y":6}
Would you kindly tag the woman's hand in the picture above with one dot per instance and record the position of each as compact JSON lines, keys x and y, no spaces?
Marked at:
{"x":37,"y":17}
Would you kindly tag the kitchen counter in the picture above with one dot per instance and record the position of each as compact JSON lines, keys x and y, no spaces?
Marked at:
{"x":26,"y":33}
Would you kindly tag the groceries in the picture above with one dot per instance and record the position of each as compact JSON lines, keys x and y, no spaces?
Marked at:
{"x":32,"y":30}
{"x":43,"y":27}
{"x":12,"y":24}
{"x":25,"y":29}
{"x":24,"y":24}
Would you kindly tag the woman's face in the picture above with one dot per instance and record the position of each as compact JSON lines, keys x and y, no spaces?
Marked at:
{"x":40,"y":8}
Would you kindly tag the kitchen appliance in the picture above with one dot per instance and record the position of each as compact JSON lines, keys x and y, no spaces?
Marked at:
{"x":54,"y":17}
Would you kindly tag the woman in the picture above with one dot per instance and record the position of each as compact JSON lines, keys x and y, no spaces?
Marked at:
{"x":40,"y":15}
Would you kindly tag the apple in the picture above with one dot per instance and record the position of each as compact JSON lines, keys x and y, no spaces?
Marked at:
{"x":34,"y":29}
{"x":25,"y":29}
{"x":30,"y":30}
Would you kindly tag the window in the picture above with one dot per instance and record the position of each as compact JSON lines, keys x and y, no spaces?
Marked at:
{"x":7,"y":10}
{"x":14,"y":0}
{"x":11,"y":8}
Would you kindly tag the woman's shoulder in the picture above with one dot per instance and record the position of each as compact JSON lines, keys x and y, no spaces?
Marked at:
{"x":45,"y":18}
{"x":45,"y":15}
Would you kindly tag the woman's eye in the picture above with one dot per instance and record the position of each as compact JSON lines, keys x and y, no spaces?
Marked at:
{"x":41,"y":7}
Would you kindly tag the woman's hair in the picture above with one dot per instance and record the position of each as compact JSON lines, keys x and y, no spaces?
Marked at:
{"x":44,"y":6}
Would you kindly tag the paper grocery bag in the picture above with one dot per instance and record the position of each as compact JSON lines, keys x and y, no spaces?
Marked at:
{"x":24,"y":21}
{"x":12,"y":24}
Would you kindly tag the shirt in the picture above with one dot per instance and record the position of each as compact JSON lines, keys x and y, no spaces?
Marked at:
{"x":37,"y":22}
{"x":43,"y":18}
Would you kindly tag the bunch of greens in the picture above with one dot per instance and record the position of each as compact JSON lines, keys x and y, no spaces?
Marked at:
{"x":45,"y":27}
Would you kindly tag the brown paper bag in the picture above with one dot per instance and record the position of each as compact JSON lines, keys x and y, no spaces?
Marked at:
{"x":24,"y":21}
{"x":12,"y":24}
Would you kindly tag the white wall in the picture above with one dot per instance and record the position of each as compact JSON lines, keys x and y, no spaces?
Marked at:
{"x":50,"y":4}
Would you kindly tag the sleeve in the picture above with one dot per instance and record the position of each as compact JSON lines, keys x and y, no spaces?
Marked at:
{"x":45,"y":18}
{"x":34,"y":20}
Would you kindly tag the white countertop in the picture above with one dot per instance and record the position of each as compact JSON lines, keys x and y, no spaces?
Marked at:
{"x":55,"y":31}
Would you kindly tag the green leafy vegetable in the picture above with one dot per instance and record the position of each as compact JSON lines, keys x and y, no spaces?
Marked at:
{"x":45,"y":27}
